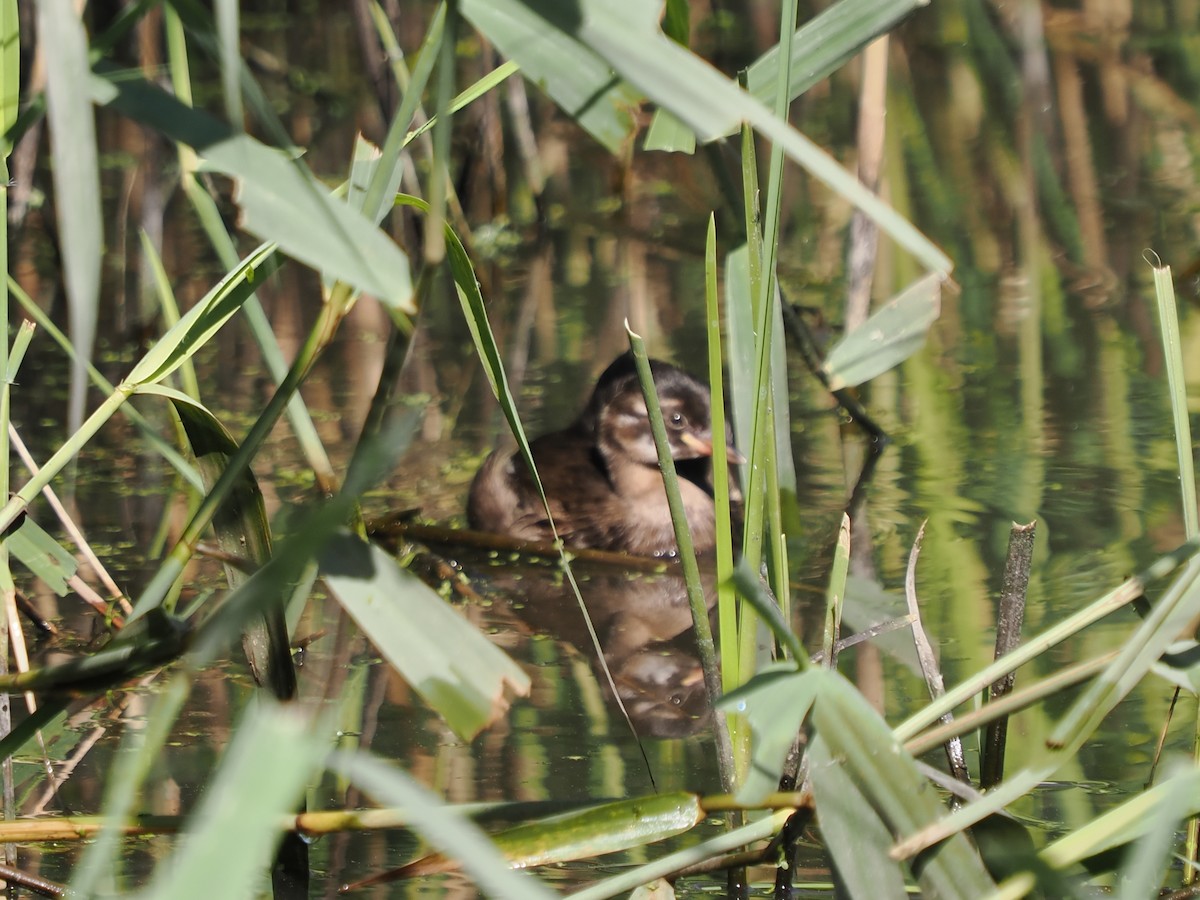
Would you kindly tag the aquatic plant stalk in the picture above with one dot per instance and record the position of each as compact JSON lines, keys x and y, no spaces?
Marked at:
{"x":687,"y":553}
{"x":1008,"y":636}
{"x":1162,"y":626}
{"x":1120,"y":596}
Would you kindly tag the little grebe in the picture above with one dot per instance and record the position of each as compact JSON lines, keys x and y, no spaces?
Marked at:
{"x":601,"y":473}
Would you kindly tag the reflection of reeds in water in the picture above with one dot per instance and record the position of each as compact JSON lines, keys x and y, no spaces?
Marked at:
{"x":645,"y":629}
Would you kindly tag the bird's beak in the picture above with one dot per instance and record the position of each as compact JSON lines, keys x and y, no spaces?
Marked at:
{"x":698,"y":444}
{"x":705,"y":448}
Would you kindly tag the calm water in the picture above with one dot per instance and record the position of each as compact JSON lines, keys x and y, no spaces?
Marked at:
{"x":1040,"y":396}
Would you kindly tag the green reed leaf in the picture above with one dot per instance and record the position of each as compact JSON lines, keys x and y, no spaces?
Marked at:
{"x":459,"y":672}
{"x":76,"y":172}
{"x":892,"y":334}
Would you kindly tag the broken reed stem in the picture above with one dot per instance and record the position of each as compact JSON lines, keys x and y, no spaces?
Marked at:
{"x":1008,"y":637}
{"x":928,"y":660}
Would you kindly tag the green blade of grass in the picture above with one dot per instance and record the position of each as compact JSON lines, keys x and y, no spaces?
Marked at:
{"x":385,"y":178}
{"x":672,"y":863}
{"x":726,"y":595}
{"x":575,"y":835}
{"x":687,"y":553}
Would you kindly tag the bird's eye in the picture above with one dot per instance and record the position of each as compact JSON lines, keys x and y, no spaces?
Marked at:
{"x":676,"y":420}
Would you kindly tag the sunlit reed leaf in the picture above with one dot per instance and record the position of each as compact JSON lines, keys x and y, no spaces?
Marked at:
{"x":667,"y":133}
{"x":76,"y":180}
{"x":853,"y":833}
{"x":228,"y":846}
{"x":447,"y":830}
{"x":892,"y":334}
{"x":10,"y":74}
{"x":890,"y":782}
{"x":581,"y":834}
{"x":170,"y":310}
{"x":576,"y":78}
{"x":242,"y":531}
{"x":43,"y":556}
{"x":279,"y":198}
{"x":465,"y":98}
{"x":775,"y":703}
{"x":1141,"y":873}
{"x":1168,"y":317}
{"x":204,"y":319}
{"x":825,"y":43}
{"x":461,"y":675}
